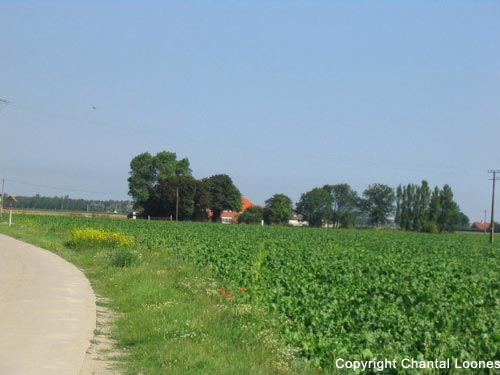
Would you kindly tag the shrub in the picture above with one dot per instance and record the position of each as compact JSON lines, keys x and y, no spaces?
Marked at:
{"x":123,"y":257}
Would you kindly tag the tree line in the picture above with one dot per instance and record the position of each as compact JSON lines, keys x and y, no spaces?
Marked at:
{"x":161,"y":185}
{"x":39,"y":202}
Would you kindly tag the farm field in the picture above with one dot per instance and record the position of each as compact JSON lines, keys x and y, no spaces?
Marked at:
{"x":321,"y":294}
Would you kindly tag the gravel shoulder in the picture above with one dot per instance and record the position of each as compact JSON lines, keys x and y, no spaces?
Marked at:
{"x":48,"y":314}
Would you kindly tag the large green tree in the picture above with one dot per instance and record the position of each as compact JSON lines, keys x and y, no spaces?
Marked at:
{"x":378,"y":203}
{"x":218,"y":193}
{"x":176,"y":194}
{"x":449,"y":216}
{"x":142,"y":180}
{"x":344,"y":204}
{"x":422,"y":201}
{"x":278,"y":209}
{"x":316,"y":206}
{"x":148,"y":172}
{"x":412,"y":206}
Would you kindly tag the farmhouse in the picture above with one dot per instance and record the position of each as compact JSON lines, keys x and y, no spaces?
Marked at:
{"x":231,"y":217}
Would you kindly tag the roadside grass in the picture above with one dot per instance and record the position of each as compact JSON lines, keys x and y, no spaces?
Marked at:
{"x":171,"y":316}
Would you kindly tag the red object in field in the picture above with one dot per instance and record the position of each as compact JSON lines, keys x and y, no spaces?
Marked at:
{"x":11,"y":208}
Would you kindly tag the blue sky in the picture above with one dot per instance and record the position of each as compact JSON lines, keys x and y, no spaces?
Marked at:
{"x":283,"y":96}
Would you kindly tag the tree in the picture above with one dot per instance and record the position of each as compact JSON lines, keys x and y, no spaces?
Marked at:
{"x":412,"y":205}
{"x":378,"y":203}
{"x":399,"y":218}
{"x":316,"y":206}
{"x":464,"y":221}
{"x":422,"y":201}
{"x":252,"y":215}
{"x":173,"y":191}
{"x":345,"y":201}
{"x":147,"y":172}
{"x":449,"y":216}
{"x":142,"y":179}
{"x":434,"y":206}
{"x":278,"y":209}
{"x":218,"y":193}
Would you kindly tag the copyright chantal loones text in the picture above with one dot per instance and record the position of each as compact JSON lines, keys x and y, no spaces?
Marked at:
{"x":411,"y":363}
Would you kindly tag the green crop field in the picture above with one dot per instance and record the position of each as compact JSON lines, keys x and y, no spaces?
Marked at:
{"x":330,"y":294}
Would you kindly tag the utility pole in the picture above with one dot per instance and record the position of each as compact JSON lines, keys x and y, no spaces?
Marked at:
{"x":492,"y":227}
{"x":2,"y":200}
{"x":484,"y":221}
{"x":177,"y":205}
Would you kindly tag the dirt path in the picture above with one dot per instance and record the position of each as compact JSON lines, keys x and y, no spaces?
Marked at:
{"x":47,"y":312}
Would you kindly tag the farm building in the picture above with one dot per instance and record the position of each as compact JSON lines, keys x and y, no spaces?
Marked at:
{"x":480,"y":225}
{"x":231,"y":217}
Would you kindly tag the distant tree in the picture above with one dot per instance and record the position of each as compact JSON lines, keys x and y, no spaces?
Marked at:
{"x":412,"y":205}
{"x":252,"y":215}
{"x":166,"y":192}
{"x":218,"y":193}
{"x":378,"y":203}
{"x":142,"y":179}
{"x":399,"y":218}
{"x":464,"y":221}
{"x":316,"y":206}
{"x":449,"y":216}
{"x":278,"y":209}
{"x":422,"y":201}
{"x":434,"y":206}
{"x":147,"y":171}
{"x":344,"y":204}
{"x":166,"y":166}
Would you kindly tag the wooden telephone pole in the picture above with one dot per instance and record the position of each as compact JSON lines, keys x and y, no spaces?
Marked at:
{"x":492,"y":226}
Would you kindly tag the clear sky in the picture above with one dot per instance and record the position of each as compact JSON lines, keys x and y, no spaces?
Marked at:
{"x":283,"y":96}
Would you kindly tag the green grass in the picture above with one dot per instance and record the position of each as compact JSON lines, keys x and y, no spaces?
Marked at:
{"x":172,"y":319}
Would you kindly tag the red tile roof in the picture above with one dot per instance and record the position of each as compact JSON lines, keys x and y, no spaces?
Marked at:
{"x":481,"y":225}
{"x":246,"y":203}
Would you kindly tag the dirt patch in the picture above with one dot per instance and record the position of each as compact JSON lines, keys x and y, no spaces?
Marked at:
{"x":102,"y":355}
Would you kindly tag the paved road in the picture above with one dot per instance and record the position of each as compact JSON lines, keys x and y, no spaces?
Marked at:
{"x":47,"y":312}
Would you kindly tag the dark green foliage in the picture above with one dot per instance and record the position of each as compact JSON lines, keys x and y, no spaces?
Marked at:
{"x":278,"y":209}
{"x":252,"y":215}
{"x":449,"y":217}
{"x":378,"y":203}
{"x":412,"y":206}
{"x":155,"y":180}
{"x":147,"y":171}
{"x":345,"y":202}
{"x":218,"y":193}
{"x":417,"y":209}
{"x":434,"y":206}
{"x":166,"y":193}
{"x":316,"y":207}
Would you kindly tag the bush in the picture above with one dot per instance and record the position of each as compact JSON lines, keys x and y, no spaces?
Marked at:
{"x":124,"y":257}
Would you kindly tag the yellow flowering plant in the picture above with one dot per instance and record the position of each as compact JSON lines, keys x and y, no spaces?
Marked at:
{"x":97,"y":237}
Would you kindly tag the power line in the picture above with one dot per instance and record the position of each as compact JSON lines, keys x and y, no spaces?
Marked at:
{"x":295,"y":153}
{"x":57,"y":187}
